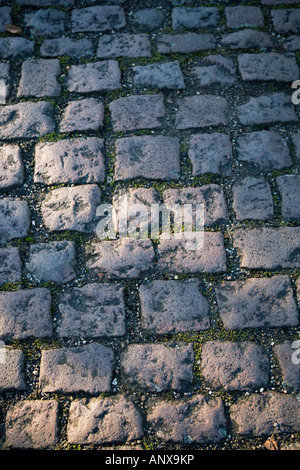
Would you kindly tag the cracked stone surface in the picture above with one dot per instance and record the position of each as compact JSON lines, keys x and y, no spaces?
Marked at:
{"x":129,"y":318}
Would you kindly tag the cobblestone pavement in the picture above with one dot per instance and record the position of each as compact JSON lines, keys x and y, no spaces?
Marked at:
{"x":141,"y":343}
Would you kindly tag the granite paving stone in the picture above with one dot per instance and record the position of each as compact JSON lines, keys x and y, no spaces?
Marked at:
{"x":252,"y":199}
{"x":211,"y":153}
{"x":185,"y":43}
{"x":286,"y":21}
{"x":195,"y":18}
{"x":243,"y":16}
{"x":148,"y":19}
{"x":124,"y":45}
{"x":267,"y":109}
{"x":98,"y":18}
{"x":268,"y":66}
{"x":5,"y":80}
{"x":296,"y":142}
{"x":86,"y":114}
{"x":14,"y":219}
{"x":292,"y":43}
{"x":12,"y":167}
{"x":12,"y":375}
{"x":42,"y":3}
{"x":164,"y":76}
{"x":26,"y":120}
{"x":5,"y":18}
{"x":286,"y":353}
{"x":78,"y":160}
{"x":247,"y":39}
{"x":16,"y":48}
{"x":66,"y":46}
{"x":39,"y":78}
{"x":220,"y":71}
{"x":201,"y":111}
{"x":288,"y":186}
{"x":94,"y":77}
{"x":46,"y":22}
{"x":10,"y":265}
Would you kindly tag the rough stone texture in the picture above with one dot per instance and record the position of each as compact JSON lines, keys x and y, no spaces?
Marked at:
{"x":124,"y":44}
{"x":252,"y":199}
{"x":185,"y":43}
{"x":126,"y":258}
{"x":14,"y":219}
{"x":265,"y":414}
{"x":5,"y":81}
{"x":211,"y":196}
{"x":243,"y":16}
{"x":98,"y":18}
{"x":82,"y":115}
{"x":221,"y":71}
{"x":158,"y":367}
{"x":246,"y":39}
{"x":87,"y":368}
{"x":268,"y":248}
{"x":32,"y":424}
{"x":183,"y":256}
{"x":95,"y":76}
{"x":16,"y":48}
{"x":290,"y":197}
{"x":267,"y":109}
{"x":101,"y":420}
{"x":92,"y":311}
{"x":202,"y":111}
{"x":137,"y":112}
{"x":286,"y":21}
{"x":12,"y":370}
{"x":152,"y":157}
{"x":26,"y":120}
{"x":292,"y":43}
{"x":263,"y":151}
{"x":257,"y":303}
{"x":66,"y":46}
{"x":42,"y":3}
{"x":268,"y":66}
{"x":25,"y":313}
{"x":39,"y":78}
{"x":148,"y":19}
{"x":71,"y":208}
{"x":287,"y":357}
{"x":296,"y":142}
{"x":46,"y":22}
{"x":192,"y":420}
{"x":5,"y":18}
{"x":10,"y":265}
{"x":78,"y":160}
{"x":211,"y":153}
{"x":173,"y":306}
{"x":11,"y":167}
{"x":235,"y":366}
{"x":164,"y":76}
{"x":194,"y":18}
{"x":52,"y":262}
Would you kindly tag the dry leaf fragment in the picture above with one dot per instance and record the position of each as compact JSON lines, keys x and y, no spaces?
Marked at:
{"x":271,"y":444}
{"x":11,"y":28}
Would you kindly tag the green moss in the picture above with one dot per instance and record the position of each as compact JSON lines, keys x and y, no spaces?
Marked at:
{"x":10,"y":286}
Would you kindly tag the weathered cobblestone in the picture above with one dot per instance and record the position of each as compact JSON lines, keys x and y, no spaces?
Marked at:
{"x":173,"y":306}
{"x":98,"y":18}
{"x":252,"y":199}
{"x":158,"y":367}
{"x":267,"y":109}
{"x":12,"y":371}
{"x":243,"y":16}
{"x":286,"y":21}
{"x":247,"y":39}
{"x":93,"y":310}
{"x":257,"y":303}
{"x":10,"y":265}
{"x":296,"y":142}
{"x":39,"y":78}
{"x":148,"y":19}
{"x":5,"y":17}
{"x":101,"y":420}
{"x":16,"y":48}
{"x":124,"y":44}
{"x":202,"y":111}
{"x":14,"y":219}
{"x":222,"y":72}
{"x":85,"y":368}
{"x":211,"y":153}
{"x":195,"y":18}
{"x":83,"y":115}
{"x":12,"y":168}
{"x":290,"y":371}
{"x":25,"y":313}
{"x":66,"y":46}
{"x":290,"y":198}
{"x":5,"y":80}
{"x":268,"y":66}
{"x":189,"y":420}
{"x":96,"y":76}
{"x":185,"y":43}
{"x":235,"y":365}
{"x":164,"y":76}
{"x":26,"y":120}
{"x":46,"y":22}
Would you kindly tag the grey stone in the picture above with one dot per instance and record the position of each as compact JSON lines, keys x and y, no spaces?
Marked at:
{"x":286,"y":21}
{"x":235,"y":365}
{"x":221,"y":71}
{"x":72,"y":208}
{"x":211,"y":153}
{"x":296,"y":142}
{"x":92,"y":311}
{"x":12,"y":375}
{"x":268,"y":66}
{"x":10,"y":265}
{"x":52,"y":262}
{"x":165,"y":76}
{"x":5,"y":18}
{"x":96,"y":76}
{"x":152,"y":157}
{"x":47,"y":22}
{"x":267,"y":109}
{"x":268,"y":248}
{"x":290,"y":197}
{"x":279,"y":2}
{"x":39,"y":78}
{"x":189,"y":420}
{"x":42,"y":3}
{"x":185,"y":43}
{"x":148,"y":19}
{"x":103,"y":419}
{"x":157,"y":367}
{"x":243,"y":16}
{"x":292,"y":43}
{"x":195,"y":18}
{"x":173,"y":306}
{"x":202,"y":111}
{"x":257,"y":303}
{"x":11,"y":167}
{"x":66,"y":46}
{"x":26,"y":120}
{"x":285,"y":353}
{"x":79,"y":160}
{"x":247,"y":39}
{"x":16,"y":48}
{"x":14,"y":219}
{"x":32,"y":424}
{"x":82,"y":115}
{"x":252,"y":199}
{"x":137,"y":112}
{"x":185,"y":256}
{"x":98,"y":18}
{"x":124,"y":44}
{"x":87,"y":368}
{"x":6,"y":81}
{"x":25,"y":313}
{"x":265,"y":414}
{"x":124,"y":258}
{"x":263,"y":151}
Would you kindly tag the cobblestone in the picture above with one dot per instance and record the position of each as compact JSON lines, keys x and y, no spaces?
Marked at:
{"x":66,"y":46}
{"x":290,"y":201}
{"x":164,"y":76}
{"x":46,"y":22}
{"x":202,"y":111}
{"x":149,"y":19}
{"x":185,"y":43}
{"x":268,"y":66}
{"x":10,"y":265}
{"x":267,"y":109}
{"x":124,"y":44}
{"x":14,"y":219}
{"x":211,"y":153}
{"x":83,"y":115}
{"x":194,"y":18}
{"x":96,"y":76}
{"x":39,"y":78}
{"x":243,"y":16}
{"x":247,"y":39}
{"x":12,"y":371}
{"x":252,"y":199}
{"x":12,"y":168}
{"x":290,"y":371}
{"x":26,"y":120}
{"x":98,"y":18}
{"x":286,"y":21}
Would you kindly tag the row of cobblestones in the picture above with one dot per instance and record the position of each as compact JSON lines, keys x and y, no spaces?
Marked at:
{"x":138,"y":341}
